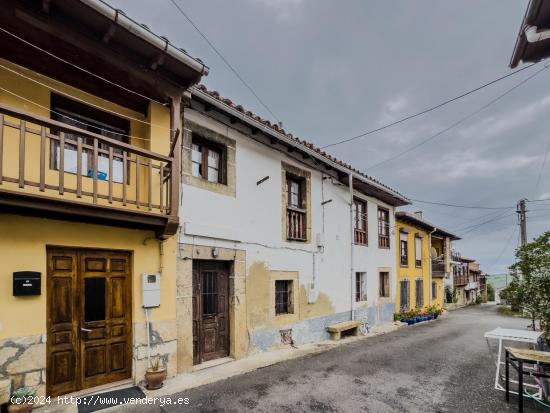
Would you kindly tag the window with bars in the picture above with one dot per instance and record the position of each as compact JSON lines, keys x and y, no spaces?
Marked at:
{"x":434,"y":290}
{"x":360,"y":286}
{"x":207,"y":161}
{"x":384,"y":284}
{"x":361,"y":232}
{"x":403,"y":249}
{"x":404,"y":295}
{"x":419,"y":287}
{"x":283,"y":297}
{"x":418,"y":251}
{"x":383,"y":228}
{"x":209,"y":292}
{"x":296,"y":214}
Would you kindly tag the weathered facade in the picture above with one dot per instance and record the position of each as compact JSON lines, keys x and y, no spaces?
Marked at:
{"x":277,"y":216}
{"x":89,"y":194}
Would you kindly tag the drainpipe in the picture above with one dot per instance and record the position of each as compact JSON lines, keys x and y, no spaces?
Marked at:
{"x":430,"y":261}
{"x":533,"y":35}
{"x":352,"y":241}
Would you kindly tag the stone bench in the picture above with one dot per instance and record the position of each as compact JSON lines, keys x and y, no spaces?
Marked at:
{"x":351,"y":327}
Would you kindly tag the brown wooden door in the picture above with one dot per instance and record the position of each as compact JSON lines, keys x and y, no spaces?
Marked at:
{"x":89,"y":319}
{"x":210,"y":310}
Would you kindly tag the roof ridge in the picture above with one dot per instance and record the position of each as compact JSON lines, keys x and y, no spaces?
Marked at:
{"x":277,"y":128}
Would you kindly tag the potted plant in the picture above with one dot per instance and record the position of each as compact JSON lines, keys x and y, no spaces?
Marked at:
{"x":435,"y":311}
{"x":155,"y":374}
{"x":22,"y":400}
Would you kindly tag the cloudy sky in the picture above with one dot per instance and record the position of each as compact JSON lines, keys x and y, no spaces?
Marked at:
{"x":330,"y":69}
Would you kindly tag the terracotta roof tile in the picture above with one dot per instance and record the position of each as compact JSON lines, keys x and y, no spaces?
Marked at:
{"x":276,"y":128}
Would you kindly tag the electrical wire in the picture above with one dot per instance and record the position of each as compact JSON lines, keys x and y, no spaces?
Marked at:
{"x":220,"y":55}
{"x":82,"y":100}
{"x":457,"y":206}
{"x":462,"y":120}
{"x":446,"y":102}
{"x":80,"y":68}
{"x":486,"y":222}
{"x":507,"y":243}
{"x":538,"y":200}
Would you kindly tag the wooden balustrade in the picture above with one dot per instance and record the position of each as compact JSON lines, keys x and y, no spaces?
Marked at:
{"x":438,"y":266}
{"x":361,"y":237}
{"x":48,"y":158}
{"x":296,"y":224}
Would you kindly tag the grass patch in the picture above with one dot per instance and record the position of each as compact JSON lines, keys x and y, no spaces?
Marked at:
{"x":507,"y":311}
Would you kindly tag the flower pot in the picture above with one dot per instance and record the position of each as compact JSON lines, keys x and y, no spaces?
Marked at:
{"x":155,"y":379}
{"x":20,"y":408}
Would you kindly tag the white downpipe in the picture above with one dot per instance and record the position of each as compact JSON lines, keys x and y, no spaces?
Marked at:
{"x":148,"y":338}
{"x":533,"y":35}
{"x":352,"y":241}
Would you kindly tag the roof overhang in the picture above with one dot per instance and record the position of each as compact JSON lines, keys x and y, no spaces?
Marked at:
{"x":100,"y":40}
{"x":361,"y":183}
{"x":537,"y":15}
{"x":407,"y":218}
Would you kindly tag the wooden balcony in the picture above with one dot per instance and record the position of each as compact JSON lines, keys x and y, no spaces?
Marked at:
{"x":296,"y":224}
{"x":51,"y":169}
{"x":460,"y":280}
{"x":438,"y":267}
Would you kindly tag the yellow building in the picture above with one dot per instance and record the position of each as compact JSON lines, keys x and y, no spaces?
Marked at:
{"x":423,"y":262}
{"x":89,"y":195}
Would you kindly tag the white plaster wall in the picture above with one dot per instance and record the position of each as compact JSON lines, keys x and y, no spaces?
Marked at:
{"x":253,"y":221}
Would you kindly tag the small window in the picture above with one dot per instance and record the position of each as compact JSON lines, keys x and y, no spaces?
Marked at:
{"x":94,"y":299}
{"x":361,"y":234}
{"x":434,"y":290}
{"x":418,"y":251}
{"x":360,"y":286}
{"x":283,"y":297}
{"x":403,"y":249}
{"x":404,"y":295}
{"x":384,"y":284}
{"x":208,"y":161}
{"x":383,"y":228}
{"x":419,"y":293}
{"x":296,"y":217}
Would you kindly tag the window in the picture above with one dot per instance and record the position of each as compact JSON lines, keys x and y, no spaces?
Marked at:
{"x":296,"y":218}
{"x":209,"y":293}
{"x":208,"y":161}
{"x":360,"y":286}
{"x":383,"y":228}
{"x":361,"y":234}
{"x":403,"y":249}
{"x":404,"y":295}
{"x":418,"y":251}
{"x":283,"y":297}
{"x":419,"y":293}
{"x":84,"y":117}
{"x":434,"y":290}
{"x":384,"y":283}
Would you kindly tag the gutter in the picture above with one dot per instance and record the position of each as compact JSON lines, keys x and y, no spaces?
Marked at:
{"x":533,"y":35}
{"x":282,"y":137}
{"x":119,"y":18}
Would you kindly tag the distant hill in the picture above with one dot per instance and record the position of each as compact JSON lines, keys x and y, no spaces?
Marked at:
{"x":498,"y":280}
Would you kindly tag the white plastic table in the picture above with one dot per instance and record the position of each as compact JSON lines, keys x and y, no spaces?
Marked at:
{"x":508,"y":334}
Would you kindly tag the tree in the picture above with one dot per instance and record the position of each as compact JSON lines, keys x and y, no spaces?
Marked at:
{"x":530,"y":287}
{"x":490,"y":292}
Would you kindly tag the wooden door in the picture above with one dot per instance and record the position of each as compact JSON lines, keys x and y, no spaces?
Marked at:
{"x":210,"y":310}
{"x":92,"y":346}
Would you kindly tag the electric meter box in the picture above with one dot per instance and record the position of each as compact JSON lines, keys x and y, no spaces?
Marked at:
{"x":151,"y":289}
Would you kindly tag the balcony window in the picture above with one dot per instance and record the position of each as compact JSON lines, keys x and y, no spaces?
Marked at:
{"x":383,"y":228}
{"x":208,"y":161}
{"x":418,"y":251}
{"x":360,"y":222}
{"x":403,"y":249}
{"x":93,"y":120}
{"x":295,"y":212}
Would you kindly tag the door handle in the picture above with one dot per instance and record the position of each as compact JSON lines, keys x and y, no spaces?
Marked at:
{"x":85,"y":330}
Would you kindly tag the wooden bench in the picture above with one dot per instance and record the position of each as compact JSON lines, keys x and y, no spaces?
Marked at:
{"x":337,"y":329}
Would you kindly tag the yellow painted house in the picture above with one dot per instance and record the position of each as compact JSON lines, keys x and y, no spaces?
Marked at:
{"x":423,"y":262}
{"x":89,"y":194}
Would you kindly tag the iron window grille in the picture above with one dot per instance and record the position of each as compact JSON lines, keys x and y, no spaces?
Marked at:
{"x":283,"y":297}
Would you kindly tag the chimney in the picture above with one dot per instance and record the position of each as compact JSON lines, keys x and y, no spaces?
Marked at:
{"x":418,"y":214}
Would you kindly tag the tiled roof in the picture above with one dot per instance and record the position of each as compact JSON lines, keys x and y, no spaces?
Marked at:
{"x":300,"y":142}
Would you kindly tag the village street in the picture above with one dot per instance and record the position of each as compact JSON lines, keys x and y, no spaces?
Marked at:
{"x":443,"y":366}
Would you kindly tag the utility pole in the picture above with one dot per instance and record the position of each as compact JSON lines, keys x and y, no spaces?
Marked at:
{"x":522,"y":221}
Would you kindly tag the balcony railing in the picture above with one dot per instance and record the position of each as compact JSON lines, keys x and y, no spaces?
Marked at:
{"x":296,"y":224}
{"x":438,"y":267}
{"x":54,"y":161}
{"x":460,"y":280}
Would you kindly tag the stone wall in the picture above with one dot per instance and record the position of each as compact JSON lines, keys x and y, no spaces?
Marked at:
{"x":23,"y":363}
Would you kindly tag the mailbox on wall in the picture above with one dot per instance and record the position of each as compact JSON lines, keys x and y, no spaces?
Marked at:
{"x":26,"y":283}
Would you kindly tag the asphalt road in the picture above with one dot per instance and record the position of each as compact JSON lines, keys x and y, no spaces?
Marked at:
{"x":442,"y":366}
